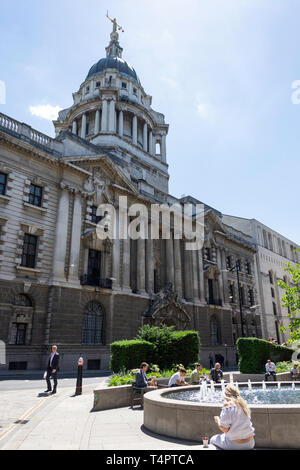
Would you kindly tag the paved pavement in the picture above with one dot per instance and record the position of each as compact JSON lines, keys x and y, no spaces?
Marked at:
{"x":66,"y":422}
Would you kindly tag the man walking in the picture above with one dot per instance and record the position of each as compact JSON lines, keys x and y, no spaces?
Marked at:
{"x":52,"y":368}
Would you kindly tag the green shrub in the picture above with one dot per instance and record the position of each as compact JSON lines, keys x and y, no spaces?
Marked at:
{"x":161,"y":338}
{"x":171,"y":347}
{"x":129,"y":354}
{"x":186,"y":347}
{"x":253,"y":354}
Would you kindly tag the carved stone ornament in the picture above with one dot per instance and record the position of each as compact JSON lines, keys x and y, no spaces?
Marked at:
{"x":167,"y":308}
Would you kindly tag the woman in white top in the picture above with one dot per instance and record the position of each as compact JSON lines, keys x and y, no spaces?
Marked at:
{"x":235,"y":423}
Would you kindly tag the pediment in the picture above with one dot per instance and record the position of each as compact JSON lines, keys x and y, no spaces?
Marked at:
{"x":104,"y":172}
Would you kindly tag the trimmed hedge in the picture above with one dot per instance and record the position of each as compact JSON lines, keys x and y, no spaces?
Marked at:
{"x":129,"y":354}
{"x":172,"y":347}
{"x":253,"y":354}
{"x":186,"y":347}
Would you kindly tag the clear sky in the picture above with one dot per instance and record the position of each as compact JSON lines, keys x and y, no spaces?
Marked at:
{"x":220,"y":71}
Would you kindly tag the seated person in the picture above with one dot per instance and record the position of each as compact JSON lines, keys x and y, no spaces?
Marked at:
{"x":216,"y":374}
{"x":270,"y":370}
{"x":196,"y":376}
{"x":141,"y":379}
{"x":295,"y":372}
{"x":177,"y":379}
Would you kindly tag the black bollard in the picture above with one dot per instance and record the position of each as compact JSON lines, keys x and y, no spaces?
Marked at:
{"x":78,"y":390}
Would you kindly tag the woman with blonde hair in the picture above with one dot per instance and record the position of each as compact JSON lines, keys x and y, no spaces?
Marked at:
{"x":234,"y":422}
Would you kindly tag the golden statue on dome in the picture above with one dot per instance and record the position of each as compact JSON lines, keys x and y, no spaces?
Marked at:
{"x":116,"y":27}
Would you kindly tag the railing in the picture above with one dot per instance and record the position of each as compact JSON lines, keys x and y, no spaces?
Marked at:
{"x":26,"y":132}
{"x":89,"y":280}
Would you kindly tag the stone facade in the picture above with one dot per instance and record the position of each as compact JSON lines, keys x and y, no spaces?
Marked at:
{"x":273,"y":253}
{"x":60,"y":284}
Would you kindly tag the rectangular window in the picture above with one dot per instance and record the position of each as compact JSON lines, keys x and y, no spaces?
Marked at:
{"x":3,"y":182}
{"x":238,"y":265}
{"x":251,"y":297}
{"x":18,"y":333}
{"x":17,"y":366}
{"x":29,"y":251}
{"x":96,"y":218}
{"x":231,"y":293}
{"x":98,"y":84}
{"x":35,"y":195}
{"x":274,"y":309}
{"x":124,"y":85}
{"x":228,"y":262}
{"x":248,"y":268}
{"x":135,"y":91}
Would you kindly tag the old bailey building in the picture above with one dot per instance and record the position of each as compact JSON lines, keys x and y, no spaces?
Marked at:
{"x":62,"y":284}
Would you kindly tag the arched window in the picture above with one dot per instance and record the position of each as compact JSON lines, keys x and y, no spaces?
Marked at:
{"x":23,"y":300}
{"x":92,"y":327}
{"x":214,"y":333}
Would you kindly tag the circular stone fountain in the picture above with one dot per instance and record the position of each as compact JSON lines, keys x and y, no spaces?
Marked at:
{"x":188,"y":412}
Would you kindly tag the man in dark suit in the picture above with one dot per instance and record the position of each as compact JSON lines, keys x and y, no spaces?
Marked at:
{"x":52,"y":369}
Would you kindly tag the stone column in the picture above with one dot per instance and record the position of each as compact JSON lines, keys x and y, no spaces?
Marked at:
{"x":163,"y":149}
{"x":177,"y":267}
{"x":134,"y":130}
{"x":126,"y":266}
{"x":151,"y":143}
{"x":195,"y":275}
{"x":170,"y":260}
{"x":116,"y":255}
{"x":83,"y":126}
{"x":141,"y":266}
{"x":187,"y":274}
{"x":201,"y":276}
{"x":104,"y":116}
{"x":150,"y":266}
{"x":112,"y":116}
{"x":97,"y":122}
{"x":121,"y":123}
{"x":145,"y":137}
{"x":76,"y":237}
{"x":61,"y":232}
{"x":74,"y":127}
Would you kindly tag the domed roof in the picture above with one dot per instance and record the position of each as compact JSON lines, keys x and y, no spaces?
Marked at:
{"x":117,"y":63}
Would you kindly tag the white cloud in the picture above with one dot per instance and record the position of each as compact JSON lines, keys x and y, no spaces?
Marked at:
{"x":205,"y":111}
{"x":45,"y":111}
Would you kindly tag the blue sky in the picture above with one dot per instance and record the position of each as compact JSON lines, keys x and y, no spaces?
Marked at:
{"x":221,"y":72}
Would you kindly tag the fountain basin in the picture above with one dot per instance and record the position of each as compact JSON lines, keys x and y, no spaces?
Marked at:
{"x":276,"y":425}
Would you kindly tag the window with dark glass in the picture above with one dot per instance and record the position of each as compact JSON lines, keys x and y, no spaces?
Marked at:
{"x":228,"y":262}
{"x":35,"y":195}
{"x":272,"y":292}
{"x":3,"y":182}
{"x":29,"y":251}
{"x":98,"y":84}
{"x":248,"y":267}
{"x":238,"y":265}
{"x":251,"y":297}
{"x":92,"y":327}
{"x":271,"y":277}
{"x":19,"y":333}
{"x":124,"y":85}
{"x":274,"y":309}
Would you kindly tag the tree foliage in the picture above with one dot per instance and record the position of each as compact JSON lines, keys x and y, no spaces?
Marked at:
{"x":291,"y":299}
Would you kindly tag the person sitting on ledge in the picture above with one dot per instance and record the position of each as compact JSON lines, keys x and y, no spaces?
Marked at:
{"x":141,"y":379}
{"x":177,"y":379}
{"x":196,"y":376}
{"x":295,"y":372}
{"x":216,"y":374}
{"x":270,"y":370}
{"x":234,"y":422}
